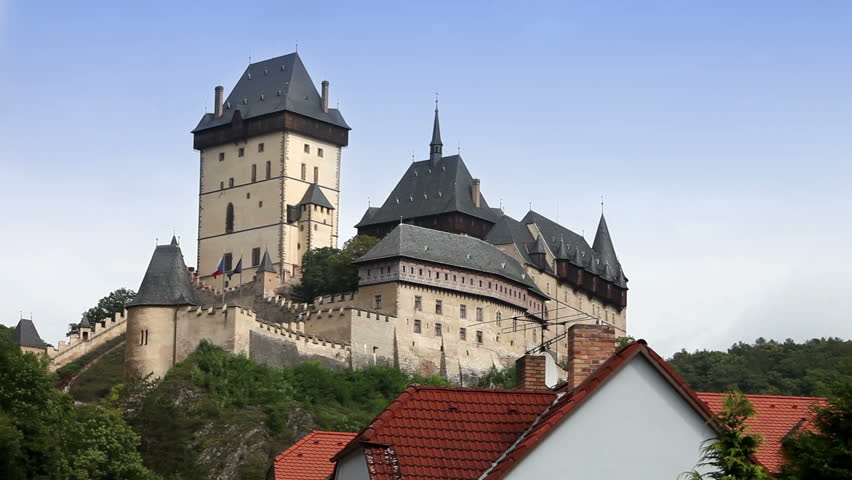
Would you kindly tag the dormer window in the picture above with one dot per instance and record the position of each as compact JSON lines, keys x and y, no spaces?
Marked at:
{"x":307,"y":148}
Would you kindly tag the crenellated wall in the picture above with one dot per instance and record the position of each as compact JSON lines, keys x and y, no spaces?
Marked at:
{"x":75,"y":347}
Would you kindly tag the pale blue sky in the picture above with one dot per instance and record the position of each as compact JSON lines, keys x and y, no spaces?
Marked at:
{"x":720,"y":134}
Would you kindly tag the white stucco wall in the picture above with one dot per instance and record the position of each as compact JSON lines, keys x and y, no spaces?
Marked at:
{"x":636,"y":426}
{"x":352,"y":467}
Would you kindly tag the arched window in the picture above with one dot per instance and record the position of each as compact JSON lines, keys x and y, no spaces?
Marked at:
{"x":229,"y":218}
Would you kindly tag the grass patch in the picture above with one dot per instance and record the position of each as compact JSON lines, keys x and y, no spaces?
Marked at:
{"x":95,"y":383}
{"x":68,"y":371}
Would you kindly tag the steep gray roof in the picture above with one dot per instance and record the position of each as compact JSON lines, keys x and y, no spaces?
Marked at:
{"x":167,"y":281}
{"x":450,"y":249}
{"x":271,"y":86}
{"x":266,"y":263}
{"x":26,"y":335}
{"x":315,"y":196}
{"x":578,"y":250}
{"x":84,"y":322}
{"x":562,"y":250}
{"x":430,"y":189}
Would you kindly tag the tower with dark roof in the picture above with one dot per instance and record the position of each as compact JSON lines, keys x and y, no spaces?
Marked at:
{"x":436,"y":146}
{"x":267,"y":148}
{"x":152,"y":315}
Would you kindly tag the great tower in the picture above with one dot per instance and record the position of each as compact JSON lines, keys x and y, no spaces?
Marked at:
{"x":269,"y":176}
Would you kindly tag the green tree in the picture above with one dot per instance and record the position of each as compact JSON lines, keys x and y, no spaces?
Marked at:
{"x":329,"y":270}
{"x":106,"y":307}
{"x":729,"y":456}
{"x":824,"y":452}
{"x":622,"y":342}
{"x":43,"y":435}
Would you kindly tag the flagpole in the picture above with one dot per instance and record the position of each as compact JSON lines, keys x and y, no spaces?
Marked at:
{"x":223,"y":277}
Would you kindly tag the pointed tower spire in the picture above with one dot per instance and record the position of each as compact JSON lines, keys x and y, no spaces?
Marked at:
{"x":174,"y":242}
{"x":603,"y":247}
{"x":436,"y":146}
{"x":266,"y":263}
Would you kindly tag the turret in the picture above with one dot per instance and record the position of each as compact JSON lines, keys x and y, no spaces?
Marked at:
{"x":266,"y":276}
{"x":315,"y":219}
{"x":151,"y":316}
{"x":84,"y":329}
{"x":538,"y":252}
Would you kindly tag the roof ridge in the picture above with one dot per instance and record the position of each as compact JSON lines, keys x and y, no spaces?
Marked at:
{"x":481,"y":389}
{"x":763,"y":395}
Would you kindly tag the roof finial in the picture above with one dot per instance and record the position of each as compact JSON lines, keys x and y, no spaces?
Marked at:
{"x":368,"y":201}
{"x":297,"y":46}
{"x":602,"y":204}
{"x":458,"y":147}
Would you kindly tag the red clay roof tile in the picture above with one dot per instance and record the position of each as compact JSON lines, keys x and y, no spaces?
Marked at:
{"x":775,"y":416}
{"x":310,"y":457}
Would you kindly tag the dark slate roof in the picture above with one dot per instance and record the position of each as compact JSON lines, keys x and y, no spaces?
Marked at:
{"x":315,"y":196}
{"x":537,"y":246}
{"x":26,"y":335}
{"x":271,"y":86}
{"x":450,"y":249}
{"x":562,"y":250}
{"x":167,"y":281}
{"x":266,"y":263}
{"x":603,"y":243}
{"x":431,"y":189}
{"x":84,"y":322}
{"x":368,"y":216}
{"x":578,"y":250}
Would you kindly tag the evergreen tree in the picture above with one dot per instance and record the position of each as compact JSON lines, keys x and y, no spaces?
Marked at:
{"x":729,"y":456}
{"x":824,"y":452}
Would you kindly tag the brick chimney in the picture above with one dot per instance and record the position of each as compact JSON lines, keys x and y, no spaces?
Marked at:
{"x":218,"y":100}
{"x":588,"y":347}
{"x":325,"y":95}
{"x":530,"y":372}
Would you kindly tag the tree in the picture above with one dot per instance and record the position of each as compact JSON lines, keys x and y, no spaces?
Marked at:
{"x":43,"y":435}
{"x":106,"y":307}
{"x":824,"y":452}
{"x":622,"y":342}
{"x":728,"y":457}
{"x":329,"y":270}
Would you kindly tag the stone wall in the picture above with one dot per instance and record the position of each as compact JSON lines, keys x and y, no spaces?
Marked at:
{"x":276,"y":345}
{"x":67,"y":351}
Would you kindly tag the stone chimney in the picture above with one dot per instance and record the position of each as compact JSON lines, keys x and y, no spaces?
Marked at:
{"x":530,"y":372}
{"x":325,"y":95}
{"x":474,"y":191}
{"x":589,"y":346}
{"x":218,"y":101}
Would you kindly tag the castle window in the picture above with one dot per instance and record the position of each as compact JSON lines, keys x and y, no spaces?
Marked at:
{"x":231,"y":182}
{"x":241,"y":152}
{"x":378,"y":299}
{"x":268,"y":169}
{"x":499,"y":318}
{"x":462,"y":334}
{"x":478,"y":314}
{"x":221,"y":185}
{"x":514,"y":324}
{"x":228,"y":261}
{"x":316,"y":226}
{"x":259,"y":147}
{"x":221,"y":156}
{"x":298,"y":246}
{"x":255,"y":256}
{"x":248,"y":195}
{"x":316,"y":174}
{"x":319,"y":152}
{"x":307,"y":148}
{"x":417,"y":326}
{"x":421,"y":272}
{"x":253,"y":173}
{"x":304,"y":171}
{"x":462,"y":311}
{"x":439,"y":307}
{"x":229,"y":218}
{"x":438,"y":332}
{"x":418,"y":303}
{"x":479,"y":337}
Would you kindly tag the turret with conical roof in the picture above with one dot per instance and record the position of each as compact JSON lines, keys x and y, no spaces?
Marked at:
{"x":603,"y":246}
{"x":167,"y":281}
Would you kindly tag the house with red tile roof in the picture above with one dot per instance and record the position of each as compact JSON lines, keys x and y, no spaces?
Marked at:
{"x":775,"y":418}
{"x":630,"y":416}
{"x":310,"y":457}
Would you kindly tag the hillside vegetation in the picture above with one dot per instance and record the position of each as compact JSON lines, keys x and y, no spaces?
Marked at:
{"x":223,"y":416}
{"x":811,"y":368}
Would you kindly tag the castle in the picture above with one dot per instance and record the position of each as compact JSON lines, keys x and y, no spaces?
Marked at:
{"x":454,"y":287}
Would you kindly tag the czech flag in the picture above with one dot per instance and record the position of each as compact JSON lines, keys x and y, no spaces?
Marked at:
{"x":220,"y":269}
{"x":237,"y":269}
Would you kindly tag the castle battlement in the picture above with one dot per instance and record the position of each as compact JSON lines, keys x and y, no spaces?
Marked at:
{"x":75,"y":347}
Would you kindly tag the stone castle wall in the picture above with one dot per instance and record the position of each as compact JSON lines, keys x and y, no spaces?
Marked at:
{"x":75,"y":347}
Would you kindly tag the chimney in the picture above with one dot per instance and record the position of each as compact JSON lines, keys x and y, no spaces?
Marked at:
{"x":217,"y":101}
{"x":530,"y":373}
{"x":325,"y":96}
{"x":475,"y":192}
{"x":589,"y":346}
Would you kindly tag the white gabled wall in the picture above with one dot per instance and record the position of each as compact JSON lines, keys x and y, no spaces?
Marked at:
{"x":635,"y":426}
{"x":352,"y":467}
